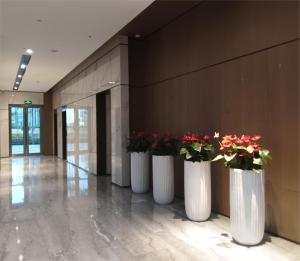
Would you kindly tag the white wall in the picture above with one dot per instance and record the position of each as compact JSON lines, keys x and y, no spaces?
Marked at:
{"x":7,"y":98}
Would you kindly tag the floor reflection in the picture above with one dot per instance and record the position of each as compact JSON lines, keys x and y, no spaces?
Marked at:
{"x":17,"y":182}
{"x":77,"y":181}
{"x":51,"y":210}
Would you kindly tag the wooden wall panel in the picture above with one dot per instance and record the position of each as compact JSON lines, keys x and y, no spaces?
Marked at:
{"x":234,"y":68}
{"x":47,"y":125}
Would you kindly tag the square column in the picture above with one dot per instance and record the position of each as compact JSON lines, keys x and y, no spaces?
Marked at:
{"x":120,"y":166}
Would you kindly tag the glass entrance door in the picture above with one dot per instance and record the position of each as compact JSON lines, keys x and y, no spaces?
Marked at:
{"x":25,"y":130}
{"x":34,"y":130}
{"x":17,"y":129}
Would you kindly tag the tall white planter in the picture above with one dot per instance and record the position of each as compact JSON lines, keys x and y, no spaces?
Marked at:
{"x":197,"y":190}
{"x":163,"y":179}
{"x":139,"y":171}
{"x":247,"y":206}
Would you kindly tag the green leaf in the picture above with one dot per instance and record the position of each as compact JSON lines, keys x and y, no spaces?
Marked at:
{"x":218,"y":157}
{"x":265,"y":156}
{"x":196,"y":146}
{"x":257,"y":161}
{"x":250,"y":149}
{"x":188,"y":155}
{"x":183,"y":151}
{"x":229,"y":158}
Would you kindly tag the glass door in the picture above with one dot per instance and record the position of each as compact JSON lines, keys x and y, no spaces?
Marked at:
{"x":34,"y":130}
{"x":25,"y":130}
{"x":17,"y":130}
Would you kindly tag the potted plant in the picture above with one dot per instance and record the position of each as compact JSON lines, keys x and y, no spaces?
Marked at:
{"x":197,"y":152}
{"x":245,"y":157}
{"x":163,"y":150}
{"x":139,"y":160}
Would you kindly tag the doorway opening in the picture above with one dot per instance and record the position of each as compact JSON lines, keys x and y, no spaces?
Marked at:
{"x":55,"y":133}
{"x":103,"y":112}
{"x":24,"y":130}
{"x":64,"y":133}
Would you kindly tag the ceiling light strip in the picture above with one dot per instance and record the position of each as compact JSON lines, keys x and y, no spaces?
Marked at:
{"x":25,"y":59}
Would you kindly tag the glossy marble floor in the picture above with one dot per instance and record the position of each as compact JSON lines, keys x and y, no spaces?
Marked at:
{"x":51,"y":210}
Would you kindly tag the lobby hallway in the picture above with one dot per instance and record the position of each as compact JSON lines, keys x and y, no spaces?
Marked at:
{"x":51,"y":210}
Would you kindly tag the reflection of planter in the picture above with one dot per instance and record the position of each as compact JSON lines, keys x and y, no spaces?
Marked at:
{"x":163,"y":179}
{"x":197,"y":190}
{"x":139,"y":171}
{"x":247,"y":206}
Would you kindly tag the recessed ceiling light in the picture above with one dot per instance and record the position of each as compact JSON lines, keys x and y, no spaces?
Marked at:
{"x":54,"y":51}
{"x":29,"y":51}
{"x":23,"y":66}
{"x":90,"y":36}
{"x":19,"y":76}
{"x":38,"y":20}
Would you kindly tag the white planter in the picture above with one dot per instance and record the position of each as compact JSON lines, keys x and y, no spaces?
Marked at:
{"x":247,"y":206}
{"x":163,"y":179}
{"x":197,"y":190}
{"x":139,"y":171}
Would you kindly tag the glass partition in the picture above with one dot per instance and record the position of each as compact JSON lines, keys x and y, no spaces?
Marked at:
{"x":34,"y":130}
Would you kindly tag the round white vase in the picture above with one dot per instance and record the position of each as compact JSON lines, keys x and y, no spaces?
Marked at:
{"x":139,"y":171}
{"x":163,"y":179}
{"x":197,"y":190}
{"x":247,"y":206}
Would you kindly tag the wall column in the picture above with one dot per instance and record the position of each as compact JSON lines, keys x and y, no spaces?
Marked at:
{"x":120,"y":133}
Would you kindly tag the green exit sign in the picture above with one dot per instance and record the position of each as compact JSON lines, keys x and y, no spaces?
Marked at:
{"x":27,"y":102}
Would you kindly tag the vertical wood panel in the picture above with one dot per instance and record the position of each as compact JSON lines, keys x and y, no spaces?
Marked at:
{"x":257,"y":93}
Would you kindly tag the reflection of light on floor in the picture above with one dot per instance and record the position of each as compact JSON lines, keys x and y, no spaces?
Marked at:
{"x":77,"y":181}
{"x":17,"y":195}
{"x":17,"y":184}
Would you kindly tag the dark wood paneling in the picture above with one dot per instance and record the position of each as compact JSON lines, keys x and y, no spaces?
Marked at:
{"x":47,"y":116}
{"x":214,"y":32}
{"x":101,"y":133}
{"x":230,"y":67}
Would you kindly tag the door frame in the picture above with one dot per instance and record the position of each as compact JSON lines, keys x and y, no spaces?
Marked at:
{"x":25,"y":128}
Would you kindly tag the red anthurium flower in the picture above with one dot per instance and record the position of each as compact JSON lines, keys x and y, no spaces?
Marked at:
{"x":155,"y":136}
{"x":256,"y":147}
{"x":140,"y":134}
{"x":239,"y":142}
{"x":256,"y":138}
{"x":206,"y":138}
{"x":245,"y":137}
{"x":167,"y":136}
{"x":226,"y":143}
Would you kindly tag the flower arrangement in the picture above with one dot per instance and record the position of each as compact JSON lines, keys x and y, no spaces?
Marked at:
{"x":242,"y":152}
{"x":196,"y":147}
{"x":164,"y":145}
{"x":138,"y":142}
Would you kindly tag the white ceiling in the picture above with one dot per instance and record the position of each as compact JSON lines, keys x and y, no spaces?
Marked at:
{"x":65,"y":26}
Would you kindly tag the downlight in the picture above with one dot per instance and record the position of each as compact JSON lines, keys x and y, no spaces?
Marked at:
{"x":25,"y":59}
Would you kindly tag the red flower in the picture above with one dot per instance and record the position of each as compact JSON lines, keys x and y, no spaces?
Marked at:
{"x":256,"y":147}
{"x":256,"y":138}
{"x":155,"y":136}
{"x":239,"y":142}
{"x":140,"y":134}
{"x":167,"y":136}
{"x":206,"y":138}
{"x":245,"y":137}
{"x":226,"y":143}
